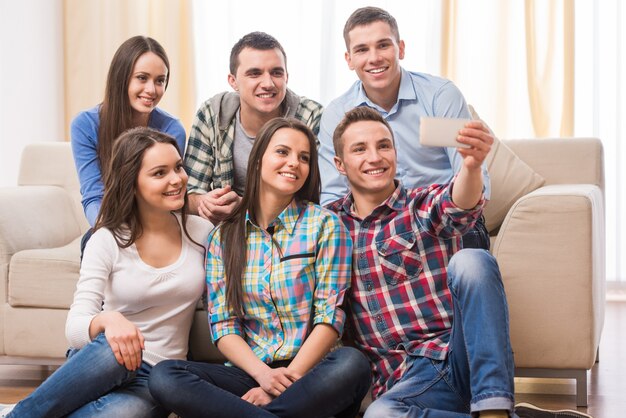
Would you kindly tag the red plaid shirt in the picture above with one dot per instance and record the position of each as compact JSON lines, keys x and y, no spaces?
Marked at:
{"x":400,"y":301}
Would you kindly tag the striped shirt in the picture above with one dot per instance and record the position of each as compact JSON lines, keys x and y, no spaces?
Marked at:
{"x":288,"y":287}
{"x":400,"y":302}
{"x":209,"y":155}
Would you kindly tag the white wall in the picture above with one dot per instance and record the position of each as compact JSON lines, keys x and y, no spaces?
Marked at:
{"x":31,"y":79}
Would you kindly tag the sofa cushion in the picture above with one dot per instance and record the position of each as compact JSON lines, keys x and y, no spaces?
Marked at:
{"x":511,"y":178}
{"x":44,"y":278}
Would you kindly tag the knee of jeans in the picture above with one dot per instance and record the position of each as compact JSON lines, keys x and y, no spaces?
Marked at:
{"x":471,"y":266}
{"x":162,"y":381}
{"x":352,"y":358}
{"x":380,"y":408}
{"x":354,"y":366}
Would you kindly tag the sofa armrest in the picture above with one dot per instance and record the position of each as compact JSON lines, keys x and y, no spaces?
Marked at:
{"x":550,"y":249}
{"x":33,"y":217}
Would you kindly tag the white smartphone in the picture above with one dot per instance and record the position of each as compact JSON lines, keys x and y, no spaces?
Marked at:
{"x":441,"y":132}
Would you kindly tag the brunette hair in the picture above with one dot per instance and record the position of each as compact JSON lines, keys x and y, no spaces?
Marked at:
{"x":365,"y":16}
{"x":254,"y":40}
{"x":116,"y":114}
{"x":119,"y":211}
{"x":233,"y":239}
{"x":358,"y":114}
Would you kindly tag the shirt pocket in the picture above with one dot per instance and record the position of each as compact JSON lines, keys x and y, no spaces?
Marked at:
{"x":399,"y":257}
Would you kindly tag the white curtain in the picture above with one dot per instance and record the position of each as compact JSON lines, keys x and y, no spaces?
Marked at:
{"x":600,"y":109}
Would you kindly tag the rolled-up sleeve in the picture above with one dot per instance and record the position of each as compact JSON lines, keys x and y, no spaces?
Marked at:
{"x":333,"y":271}
{"x":222,"y":321}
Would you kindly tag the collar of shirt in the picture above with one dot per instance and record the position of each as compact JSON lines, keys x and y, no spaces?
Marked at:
{"x":405,"y":92}
{"x":397,"y":201}
{"x":287,"y":218}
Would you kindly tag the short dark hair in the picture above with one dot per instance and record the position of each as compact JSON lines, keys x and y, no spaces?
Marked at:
{"x":358,"y":114}
{"x":367,"y":15}
{"x":255,"y":40}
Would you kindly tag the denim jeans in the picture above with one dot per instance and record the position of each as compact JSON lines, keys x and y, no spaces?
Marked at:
{"x":92,"y":383}
{"x":477,"y":374}
{"x":335,"y":386}
{"x":478,"y":236}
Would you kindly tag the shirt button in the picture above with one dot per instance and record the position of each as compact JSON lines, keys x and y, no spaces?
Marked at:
{"x":369,"y":287}
{"x":379,"y":318}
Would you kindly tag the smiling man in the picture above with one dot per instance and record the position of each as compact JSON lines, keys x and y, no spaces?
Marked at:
{"x":374,"y":51}
{"x":226,"y":125}
{"x":432,"y":318}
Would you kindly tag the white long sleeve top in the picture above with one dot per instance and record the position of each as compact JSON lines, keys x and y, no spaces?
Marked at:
{"x":159,"y":301}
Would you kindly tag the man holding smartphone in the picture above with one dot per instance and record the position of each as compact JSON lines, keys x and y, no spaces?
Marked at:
{"x":374,"y":51}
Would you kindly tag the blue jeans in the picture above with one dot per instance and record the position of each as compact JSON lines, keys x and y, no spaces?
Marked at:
{"x":477,"y":374}
{"x":478,"y":236}
{"x":92,"y":383}
{"x":335,"y":386}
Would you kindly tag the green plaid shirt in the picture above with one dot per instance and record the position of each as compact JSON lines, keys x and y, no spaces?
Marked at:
{"x":209,"y":154}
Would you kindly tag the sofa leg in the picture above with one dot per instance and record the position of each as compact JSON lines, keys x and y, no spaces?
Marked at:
{"x":579,"y":375}
{"x":581,"y":388}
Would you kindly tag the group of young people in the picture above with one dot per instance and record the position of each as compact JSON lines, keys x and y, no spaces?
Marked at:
{"x":395,"y":263}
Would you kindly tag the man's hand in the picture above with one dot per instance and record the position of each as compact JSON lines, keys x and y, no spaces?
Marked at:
{"x":276,"y":381}
{"x":257,"y":396}
{"x":215,"y":205}
{"x":479,"y":138}
{"x":468,"y":188}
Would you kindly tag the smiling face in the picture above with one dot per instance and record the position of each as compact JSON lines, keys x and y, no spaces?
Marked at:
{"x":146,"y":86}
{"x":162,"y":181}
{"x":368,"y":159}
{"x":285,"y":164}
{"x":261,"y":80}
{"x":375,"y":54}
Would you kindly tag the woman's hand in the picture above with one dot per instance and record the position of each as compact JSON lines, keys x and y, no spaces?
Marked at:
{"x":276,"y":381}
{"x":257,"y":396}
{"x":123,"y":336}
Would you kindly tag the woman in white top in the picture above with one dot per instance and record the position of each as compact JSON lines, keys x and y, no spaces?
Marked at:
{"x":141,"y":277}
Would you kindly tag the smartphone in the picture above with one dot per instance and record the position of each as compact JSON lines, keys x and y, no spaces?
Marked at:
{"x":441,"y":132}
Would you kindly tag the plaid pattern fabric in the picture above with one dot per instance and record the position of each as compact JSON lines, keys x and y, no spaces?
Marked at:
{"x":289,"y":287}
{"x":400,"y":302}
{"x":209,"y":154}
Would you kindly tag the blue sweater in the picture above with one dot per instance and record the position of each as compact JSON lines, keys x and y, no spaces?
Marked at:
{"x":84,"y":133}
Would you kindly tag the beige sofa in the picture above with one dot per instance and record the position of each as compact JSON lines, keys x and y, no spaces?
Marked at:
{"x":548,"y":239}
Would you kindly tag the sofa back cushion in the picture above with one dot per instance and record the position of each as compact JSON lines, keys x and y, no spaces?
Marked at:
{"x":511,"y":178}
{"x":52,"y":164}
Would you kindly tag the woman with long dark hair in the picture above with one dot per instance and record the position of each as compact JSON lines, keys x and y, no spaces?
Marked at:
{"x":277,"y":273}
{"x":140,"y":280}
{"x":138,"y":77}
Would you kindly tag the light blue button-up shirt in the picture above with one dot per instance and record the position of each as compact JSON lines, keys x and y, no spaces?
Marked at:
{"x":419,"y":95}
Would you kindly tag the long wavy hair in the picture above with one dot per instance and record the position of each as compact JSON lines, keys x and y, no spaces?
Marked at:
{"x":233,"y":229}
{"x":116,"y":114}
{"x":119,"y":211}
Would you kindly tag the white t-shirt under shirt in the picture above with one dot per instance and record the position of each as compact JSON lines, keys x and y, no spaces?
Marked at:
{"x":159,"y":301}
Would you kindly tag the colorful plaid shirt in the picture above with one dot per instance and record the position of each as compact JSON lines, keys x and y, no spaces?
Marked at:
{"x":209,"y":154}
{"x":289,"y":288}
{"x":400,"y":303}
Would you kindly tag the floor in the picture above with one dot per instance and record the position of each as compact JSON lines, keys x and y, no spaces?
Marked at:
{"x":606,"y":386}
